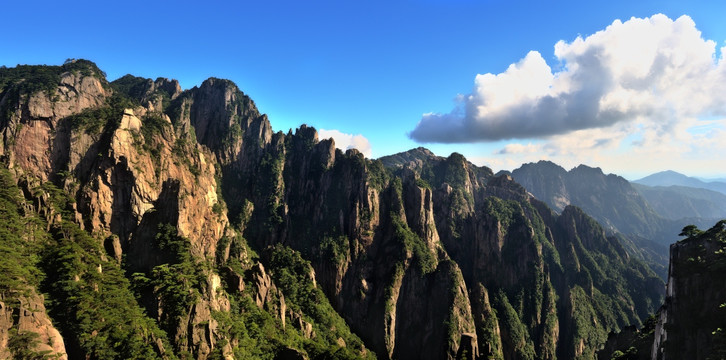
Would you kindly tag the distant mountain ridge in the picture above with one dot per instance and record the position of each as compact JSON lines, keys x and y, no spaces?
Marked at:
{"x":610,"y":199}
{"x":670,"y":177}
{"x":676,"y":202}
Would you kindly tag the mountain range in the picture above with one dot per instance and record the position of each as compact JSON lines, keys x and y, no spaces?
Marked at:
{"x":671,"y":178}
{"x":145,"y":221}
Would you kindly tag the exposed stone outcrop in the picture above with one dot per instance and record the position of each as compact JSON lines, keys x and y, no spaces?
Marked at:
{"x":26,"y":317}
{"x":489,"y":340}
{"x":266,"y":295}
{"x":35,"y":134}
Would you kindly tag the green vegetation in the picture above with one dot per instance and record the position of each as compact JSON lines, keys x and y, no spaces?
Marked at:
{"x":378,"y":175}
{"x":30,"y":79}
{"x":21,"y":239}
{"x":292,"y":274}
{"x":271,"y":168}
{"x":92,"y":301}
{"x":422,"y":183}
{"x":153,"y":126}
{"x":505,"y":212}
{"x":335,"y":249}
{"x":89,"y":297}
{"x":257,"y":334}
{"x":690,"y":231}
{"x":394,"y":280}
{"x":455,"y":170}
{"x":639,"y":346}
{"x":22,"y":346}
{"x":260,"y":335}
{"x":488,"y":330}
{"x":178,"y":282}
{"x":92,"y":120}
{"x":424,"y":259}
{"x":514,"y":334}
{"x":422,"y":256}
{"x":185,"y":148}
{"x":587,"y":328}
{"x":133,"y":87}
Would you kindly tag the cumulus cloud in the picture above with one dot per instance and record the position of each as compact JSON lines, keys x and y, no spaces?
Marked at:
{"x":653,"y":76}
{"x":345,"y":141}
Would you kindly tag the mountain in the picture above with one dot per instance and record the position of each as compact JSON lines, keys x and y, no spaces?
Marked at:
{"x":144,"y":221}
{"x":689,"y":324}
{"x":610,"y":199}
{"x":677,"y":202}
{"x":670,"y":178}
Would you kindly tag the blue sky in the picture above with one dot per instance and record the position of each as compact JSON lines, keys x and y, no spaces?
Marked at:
{"x":363,"y":68}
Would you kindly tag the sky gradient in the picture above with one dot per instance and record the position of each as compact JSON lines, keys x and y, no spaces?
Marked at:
{"x":369,"y":72}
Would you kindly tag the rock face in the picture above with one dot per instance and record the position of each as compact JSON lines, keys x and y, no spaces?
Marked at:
{"x":690,"y":322}
{"x":173,"y":194}
{"x":29,"y":317}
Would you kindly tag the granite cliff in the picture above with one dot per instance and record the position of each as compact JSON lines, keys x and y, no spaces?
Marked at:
{"x":156,"y":222}
{"x":690,"y":323}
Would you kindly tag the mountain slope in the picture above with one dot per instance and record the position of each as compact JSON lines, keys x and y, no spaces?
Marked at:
{"x":511,"y":246}
{"x":677,"y":202}
{"x":225,"y":239}
{"x":609,"y":198}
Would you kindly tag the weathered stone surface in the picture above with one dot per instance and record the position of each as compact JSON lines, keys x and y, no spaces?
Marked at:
{"x":29,"y":316}
{"x":266,"y":295}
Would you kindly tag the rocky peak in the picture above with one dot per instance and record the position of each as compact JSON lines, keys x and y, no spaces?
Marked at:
{"x":36,"y":115}
{"x":417,"y":156}
{"x":169,"y":87}
{"x":225,"y":119}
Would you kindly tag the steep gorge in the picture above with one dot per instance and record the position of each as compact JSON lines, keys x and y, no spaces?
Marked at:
{"x":230,"y":240}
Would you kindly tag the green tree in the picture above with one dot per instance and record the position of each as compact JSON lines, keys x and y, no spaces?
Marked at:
{"x":690,"y":231}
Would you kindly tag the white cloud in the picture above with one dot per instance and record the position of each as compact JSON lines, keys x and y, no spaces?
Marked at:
{"x":345,"y":141}
{"x":652,"y":76}
{"x":632,"y":149}
{"x":515,"y":148}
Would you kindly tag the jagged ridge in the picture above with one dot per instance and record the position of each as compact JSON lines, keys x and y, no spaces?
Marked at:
{"x":178,"y":186}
